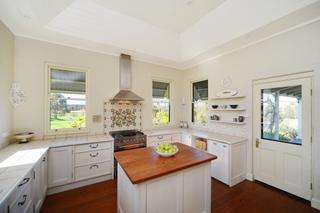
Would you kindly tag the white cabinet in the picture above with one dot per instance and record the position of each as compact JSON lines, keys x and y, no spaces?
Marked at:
{"x":170,"y":138}
{"x":187,"y":191}
{"x":187,"y":139}
{"x":40,"y":183}
{"x":20,"y":199}
{"x":60,"y":165}
{"x":93,"y":160}
{"x":229,"y":167}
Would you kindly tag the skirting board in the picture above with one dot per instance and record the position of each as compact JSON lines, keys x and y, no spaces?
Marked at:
{"x":78,"y":184}
{"x":315,"y":203}
{"x":249,"y":176}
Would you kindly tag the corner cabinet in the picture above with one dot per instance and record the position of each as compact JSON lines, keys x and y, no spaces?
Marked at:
{"x":229,"y":167}
{"x":60,"y":169}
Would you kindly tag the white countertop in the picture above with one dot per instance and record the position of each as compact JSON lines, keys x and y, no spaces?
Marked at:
{"x":16,"y":160}
{"x":224,"y":138}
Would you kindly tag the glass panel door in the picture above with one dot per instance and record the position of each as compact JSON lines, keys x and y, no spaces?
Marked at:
{"x":281,"y":114}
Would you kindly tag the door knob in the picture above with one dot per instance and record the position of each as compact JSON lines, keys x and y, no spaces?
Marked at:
{"x":257,"y":142}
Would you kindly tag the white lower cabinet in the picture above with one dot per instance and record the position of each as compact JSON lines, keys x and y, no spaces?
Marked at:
{"x":229,"y":167}
{"x":171,"y":138}
{"x":187,"y":139}
{"x":187,"y":191}
{"x":93,"y":160}
{"x":40,"y":183}
{"x":20,"y":199}
{"x":60,"y":166}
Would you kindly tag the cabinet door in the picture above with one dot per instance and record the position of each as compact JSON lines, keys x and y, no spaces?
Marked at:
{"x":40,"y":183}
{"x":220,"y":166}
{"x":36,"y":190}
{"x":186,"y":139}
{"x":44,"y":176}
{"x":60,"y":166}
{"x":176,"y":138}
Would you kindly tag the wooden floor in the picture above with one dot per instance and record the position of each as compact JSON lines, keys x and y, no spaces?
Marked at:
{"x":245,"y":197}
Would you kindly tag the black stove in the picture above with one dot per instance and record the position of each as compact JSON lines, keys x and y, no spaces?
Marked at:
{"x":128,"y":139}
{"x":125,"y":140}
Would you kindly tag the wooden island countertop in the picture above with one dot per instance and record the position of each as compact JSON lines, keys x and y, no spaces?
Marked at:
{"x":145,"y":164}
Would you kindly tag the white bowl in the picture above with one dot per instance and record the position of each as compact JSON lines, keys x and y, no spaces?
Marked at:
{"x":166,"y":155}
{"x":23,"y":137}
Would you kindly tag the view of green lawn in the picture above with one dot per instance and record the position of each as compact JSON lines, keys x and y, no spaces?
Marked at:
{"x":67,"y":121}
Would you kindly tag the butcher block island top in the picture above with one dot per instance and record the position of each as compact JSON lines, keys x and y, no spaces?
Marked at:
{"x":144,"y":164}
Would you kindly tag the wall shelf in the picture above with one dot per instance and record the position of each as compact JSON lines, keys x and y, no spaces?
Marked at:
{"x":228,"y":122}
{"x":230,"y":97}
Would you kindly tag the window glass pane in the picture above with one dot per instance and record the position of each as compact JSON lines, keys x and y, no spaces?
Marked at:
{"x":200,"y":90}
{"x":67,"y":99}
{"x":281,"y":114}
{"x":160,"y":102}
{"x":200,"y":102}
{"x":200,"y":112}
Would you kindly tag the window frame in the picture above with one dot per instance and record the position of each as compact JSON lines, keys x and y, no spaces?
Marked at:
{"x":48,"y":67}
{"x":192,"y":102}
{"x":170,"y":99}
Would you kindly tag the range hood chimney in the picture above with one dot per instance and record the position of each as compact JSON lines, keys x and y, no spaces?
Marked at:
{"x":125,"y":93}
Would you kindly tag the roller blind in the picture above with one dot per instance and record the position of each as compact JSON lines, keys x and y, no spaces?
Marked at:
{"x":160,"y":89}
{"x":200,"y":91}
{"x":65,"y":81}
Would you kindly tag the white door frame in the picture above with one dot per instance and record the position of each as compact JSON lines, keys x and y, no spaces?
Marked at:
{"x":307,"y":74}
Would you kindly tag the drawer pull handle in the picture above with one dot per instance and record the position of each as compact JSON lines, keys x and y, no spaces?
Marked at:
{"x":92,"y":166}
{"x":224,"y":146}
{"x":160,"y":137}
{"x":25,"y":180}
{"x":93,"y":156}
{"x":94,"y":146}
{"x":24,"y":200}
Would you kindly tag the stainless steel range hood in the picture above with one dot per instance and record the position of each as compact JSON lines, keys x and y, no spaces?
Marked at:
{"x":125,"y":93}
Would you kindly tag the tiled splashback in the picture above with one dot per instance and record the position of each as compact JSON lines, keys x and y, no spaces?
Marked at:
{"x":122,"y":116}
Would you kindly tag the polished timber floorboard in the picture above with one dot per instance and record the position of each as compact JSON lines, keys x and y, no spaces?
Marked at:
{"x":245,"y":197}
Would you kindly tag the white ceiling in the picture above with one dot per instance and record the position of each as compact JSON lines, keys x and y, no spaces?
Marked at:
{"x":171,"y":15}
{"x":169,"y":32}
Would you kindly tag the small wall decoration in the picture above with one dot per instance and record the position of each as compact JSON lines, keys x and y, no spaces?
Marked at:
{"x":122,"y":116}
{"x":17,"y":96}
{"x":226,"y":82}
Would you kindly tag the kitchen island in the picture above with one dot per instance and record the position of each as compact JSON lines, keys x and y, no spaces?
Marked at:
{"x":149,"y":183}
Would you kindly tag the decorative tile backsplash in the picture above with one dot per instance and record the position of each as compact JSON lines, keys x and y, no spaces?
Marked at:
{"x":122,"y":116}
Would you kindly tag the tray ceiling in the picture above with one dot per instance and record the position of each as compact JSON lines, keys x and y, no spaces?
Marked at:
{"x":170,"y":32}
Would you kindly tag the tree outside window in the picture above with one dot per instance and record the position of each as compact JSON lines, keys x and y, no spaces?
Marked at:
{"x":200,"y":102}
{"x":160,"y":102}
{"x":67,"y":99}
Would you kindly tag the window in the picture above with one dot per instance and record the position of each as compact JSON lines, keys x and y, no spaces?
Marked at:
{"x":281,"y":114}
{"x":160,"y":102}
{"x":67,"y":99}
{"x":200,"y":102}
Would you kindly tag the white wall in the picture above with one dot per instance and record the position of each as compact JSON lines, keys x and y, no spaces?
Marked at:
{"x":30,"y":59}
{"x":292,"y":52}
{"x":6,"y":75}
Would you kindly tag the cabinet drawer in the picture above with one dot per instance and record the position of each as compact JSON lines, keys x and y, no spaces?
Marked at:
{"x":160,"y":138}
{"x":21,"y":186}
{"x":23,"y":201}
{"x":93,"y":146}
{"x":176,"y":138}
{"x":84,"y":158}
{"x":93,"y":170}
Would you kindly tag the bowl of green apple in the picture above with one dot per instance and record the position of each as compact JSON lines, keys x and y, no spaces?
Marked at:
{"x":166,"y":149}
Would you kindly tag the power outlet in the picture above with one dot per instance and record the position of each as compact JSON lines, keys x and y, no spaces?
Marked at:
{"x":96,"y":118}
{"x":4,"y":134}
